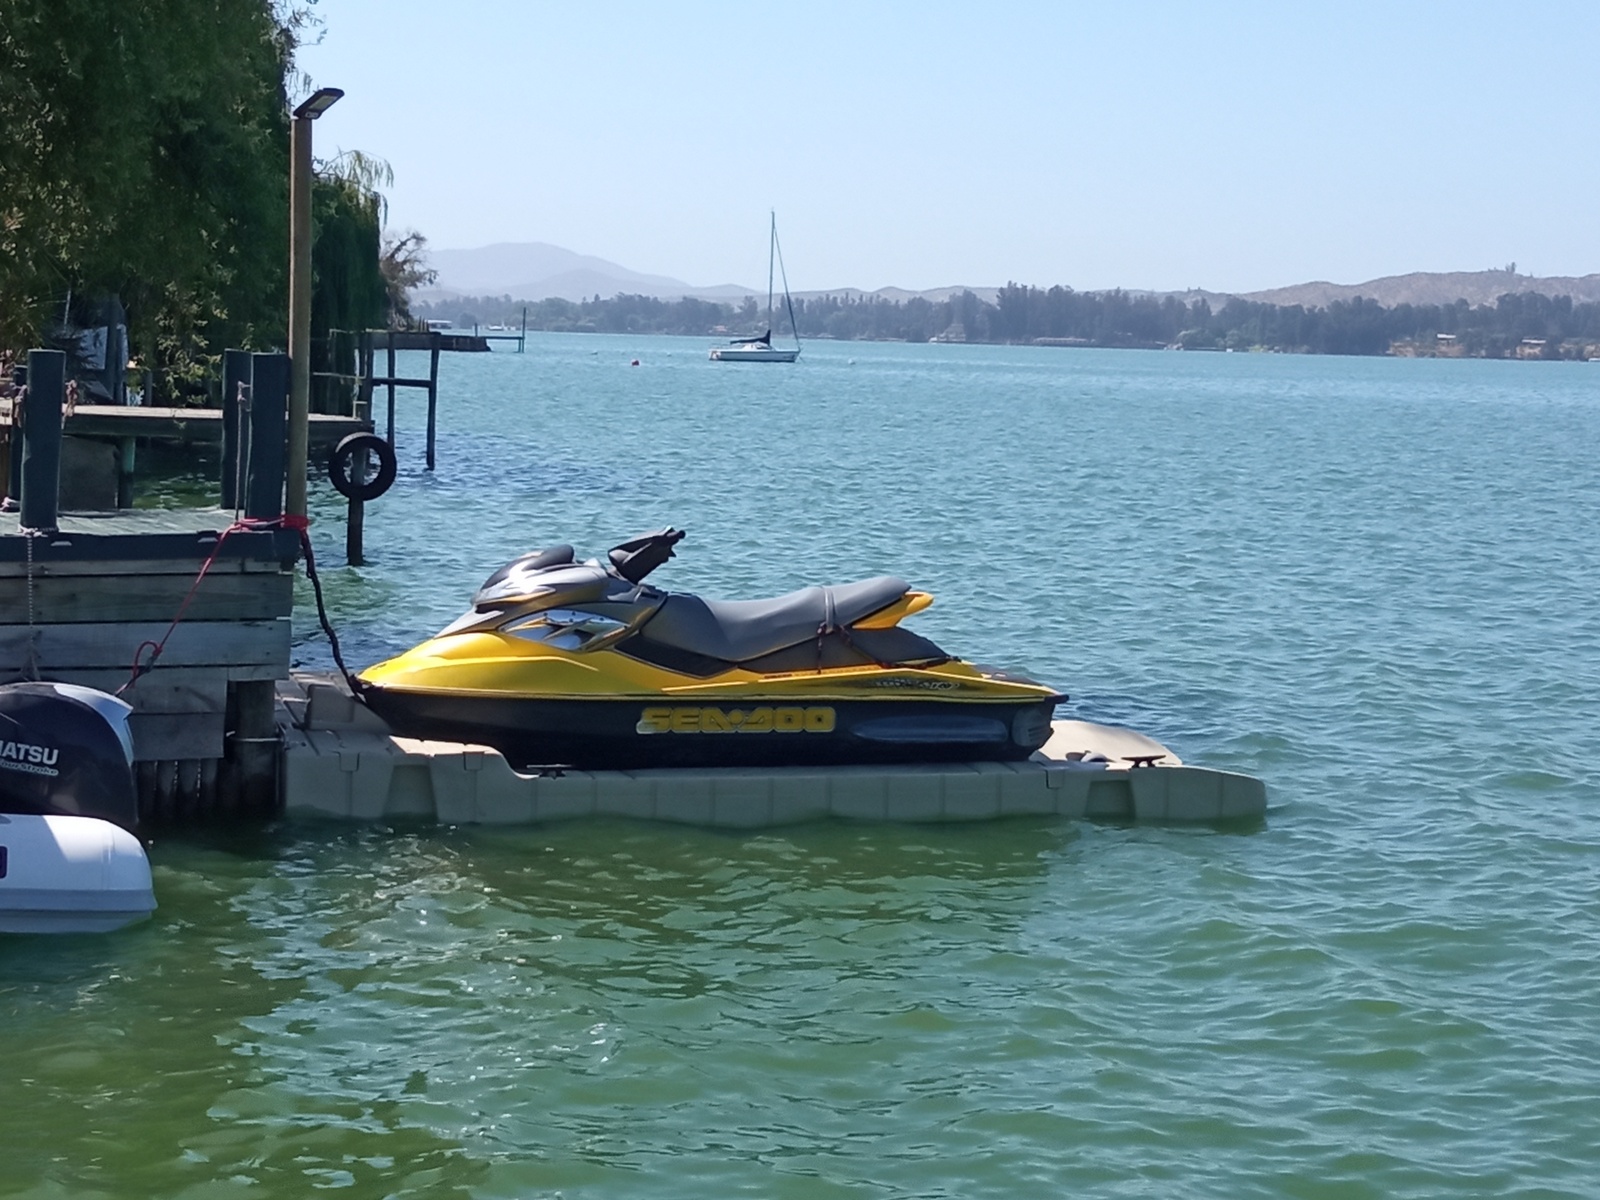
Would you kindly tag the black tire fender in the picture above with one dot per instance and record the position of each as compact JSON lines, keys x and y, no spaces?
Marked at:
{"x":341,"y":463}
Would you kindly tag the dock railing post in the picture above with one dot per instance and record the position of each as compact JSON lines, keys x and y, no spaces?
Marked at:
{"x":364,"y":377}
{"x":388,"y":340}
{"x":235,"y":434}
{"x":41,"y":439}
{"x":269,"y":410}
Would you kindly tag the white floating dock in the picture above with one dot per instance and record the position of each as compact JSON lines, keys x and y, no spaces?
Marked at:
{"x":340,"y":760}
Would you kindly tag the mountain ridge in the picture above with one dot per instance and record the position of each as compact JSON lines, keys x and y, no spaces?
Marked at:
{"x":1432,"y":287}
{"x":548,"y":271}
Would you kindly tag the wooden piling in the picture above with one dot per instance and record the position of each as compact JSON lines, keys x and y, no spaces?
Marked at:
{"x":433,"y":401}
{"x":355,"y":520}
{"x":253,"y":746}
{"x":235,"y":430}
{"x":13,"y":493}
{"x":41,"y":438}
{"x":269,"y":408}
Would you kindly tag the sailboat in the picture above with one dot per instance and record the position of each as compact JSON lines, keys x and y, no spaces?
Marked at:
{"x":760,"y":348}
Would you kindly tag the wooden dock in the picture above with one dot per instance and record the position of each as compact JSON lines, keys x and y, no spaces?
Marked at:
{"x":179,"y":426}
{"x":82,"y":604}
{"x":182,"y":612}
{"x":428,"y":339}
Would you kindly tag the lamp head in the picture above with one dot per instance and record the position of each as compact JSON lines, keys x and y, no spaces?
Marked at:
{"x":318,"y":103}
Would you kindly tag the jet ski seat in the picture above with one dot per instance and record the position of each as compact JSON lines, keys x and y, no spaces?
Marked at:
{"x":738,"y":630}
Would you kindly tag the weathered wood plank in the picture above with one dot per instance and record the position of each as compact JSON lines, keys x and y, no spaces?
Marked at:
{"x":76,"y":598}
{"x":101,"y":644}
{"x":184,"y":691}
{"x":151,"y":696}
{"x":109,"y":679}
{"x":180,"y":424}
{"x":404,"y":339}
{"x":280,"y":545}
{"x":176,"y":735}
{"x":194,"y":690}
{"x":186,"y":567}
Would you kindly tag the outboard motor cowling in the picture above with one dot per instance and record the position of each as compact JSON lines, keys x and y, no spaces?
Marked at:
{"x":66,"y":750}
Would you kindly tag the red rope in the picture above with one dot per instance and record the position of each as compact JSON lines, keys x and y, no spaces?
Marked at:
{"x":242,"y":525}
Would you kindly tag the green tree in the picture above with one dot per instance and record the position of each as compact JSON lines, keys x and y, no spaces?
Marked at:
{"x":404,"y":265}
{"x":349,"y":292}
{"x":143,"y":152}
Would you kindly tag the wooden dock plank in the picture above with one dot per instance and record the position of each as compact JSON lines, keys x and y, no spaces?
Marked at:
{"x":110,"y":645}
{"x":114,"y":541}
{"x":404,"y":339}
{"x":221,"y":596}
{"x":181,"y":425}
{"x":186,"y":568}
{"x":109,"y":679}
{"x":186,"y":691}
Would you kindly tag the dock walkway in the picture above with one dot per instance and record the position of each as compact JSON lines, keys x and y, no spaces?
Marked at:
{"x":181,"y":426}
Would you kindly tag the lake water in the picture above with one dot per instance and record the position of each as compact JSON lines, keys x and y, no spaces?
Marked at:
{"x":1370,"y":582}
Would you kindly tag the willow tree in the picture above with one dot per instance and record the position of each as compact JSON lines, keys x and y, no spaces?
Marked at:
{"x":348,"y":288}
{"x":144,"y":152}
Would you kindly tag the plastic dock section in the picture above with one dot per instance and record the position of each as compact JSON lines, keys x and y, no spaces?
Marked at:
{"x":341,"y":761}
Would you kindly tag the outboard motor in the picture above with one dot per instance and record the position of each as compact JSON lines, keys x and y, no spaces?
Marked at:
{"x":66,"y":750}
{"x":69,"y":859}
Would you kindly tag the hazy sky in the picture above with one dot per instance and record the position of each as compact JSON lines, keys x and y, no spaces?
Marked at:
{"x":1230,"y":146}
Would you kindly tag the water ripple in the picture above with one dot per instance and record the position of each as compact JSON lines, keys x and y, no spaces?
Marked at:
{"x":1370,"y":582}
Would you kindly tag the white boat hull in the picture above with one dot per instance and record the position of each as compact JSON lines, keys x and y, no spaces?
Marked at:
{"x":752,"y":354}
{"x":68,"y":874}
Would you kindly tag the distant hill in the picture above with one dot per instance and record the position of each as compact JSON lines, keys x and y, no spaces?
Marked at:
{"x":1433,"y":287}
{"x":539,"y":271}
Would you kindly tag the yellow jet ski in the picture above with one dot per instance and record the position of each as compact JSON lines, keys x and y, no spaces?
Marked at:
{"x":583,"y":664}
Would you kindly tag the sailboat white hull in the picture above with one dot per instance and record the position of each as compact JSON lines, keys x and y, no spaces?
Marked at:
{"x":761,"y":349}
{"x":752,"y":354}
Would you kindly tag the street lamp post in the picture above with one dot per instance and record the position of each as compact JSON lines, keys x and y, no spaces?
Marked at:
{"x":300,"y":294}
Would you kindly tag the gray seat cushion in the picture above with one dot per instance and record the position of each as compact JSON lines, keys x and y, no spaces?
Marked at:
{"x":735,"y":630}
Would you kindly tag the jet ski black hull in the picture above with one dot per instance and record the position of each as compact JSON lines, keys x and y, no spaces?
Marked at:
{"x":607,"y":734}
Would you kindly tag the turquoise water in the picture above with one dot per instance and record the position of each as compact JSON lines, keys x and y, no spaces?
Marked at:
{"x":1370,"y":582}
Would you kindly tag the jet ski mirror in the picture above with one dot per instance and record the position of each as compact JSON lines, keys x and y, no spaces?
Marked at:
{"x":637,"y":557}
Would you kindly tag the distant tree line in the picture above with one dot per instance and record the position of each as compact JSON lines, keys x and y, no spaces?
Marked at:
{"x":1519,"y":324}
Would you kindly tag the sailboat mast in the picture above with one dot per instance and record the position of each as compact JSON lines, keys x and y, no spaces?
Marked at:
{"x":772,"y":243}
{"x":794,"y":326}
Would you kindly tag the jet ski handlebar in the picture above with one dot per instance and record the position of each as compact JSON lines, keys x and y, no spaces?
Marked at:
{"x":637,"y":557}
